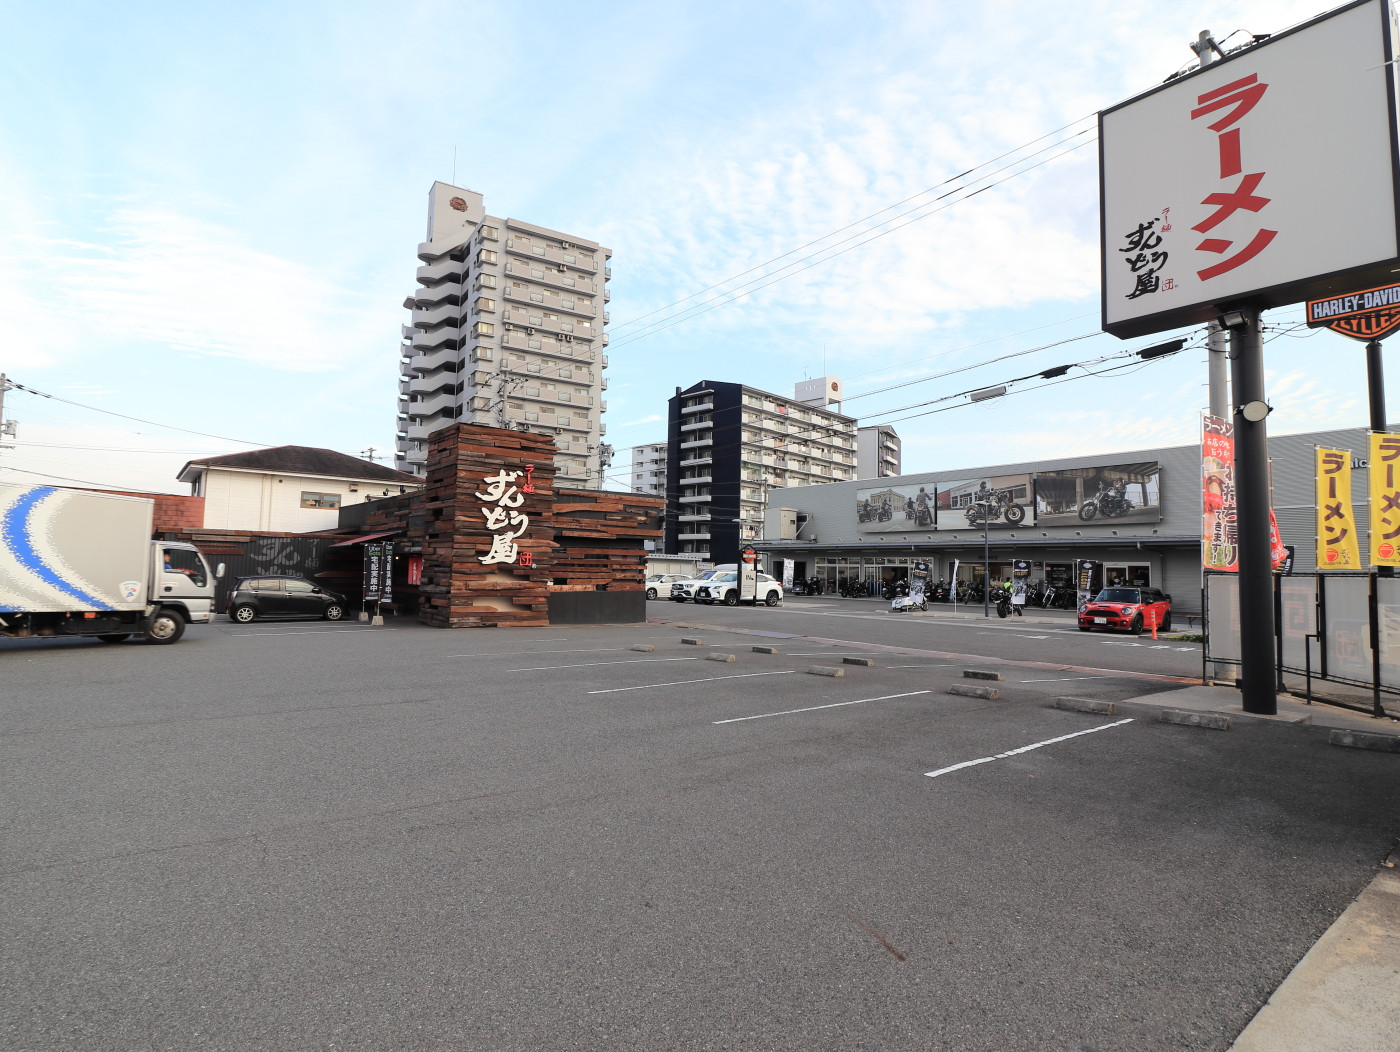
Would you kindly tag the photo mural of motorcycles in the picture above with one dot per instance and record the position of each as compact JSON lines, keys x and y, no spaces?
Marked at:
{"x":1005,"y":501}
{"x":895,"y":509}
{"x":1120,"y":492}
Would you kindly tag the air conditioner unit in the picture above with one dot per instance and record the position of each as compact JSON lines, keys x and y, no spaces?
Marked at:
{"x":568,"y":339}
{"x":558,"y":430}
{"x":529,"y":332}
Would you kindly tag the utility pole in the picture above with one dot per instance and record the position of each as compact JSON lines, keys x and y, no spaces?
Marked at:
{"x":1256,"y":573}
{"x":7,"y":427}
{"x":1375,"y":390}
{"x":1207,"y":51}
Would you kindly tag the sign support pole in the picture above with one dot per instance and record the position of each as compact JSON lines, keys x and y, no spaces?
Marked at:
{"x":1375,"y":389}
{"x":986,"y":562}
{"x":1256,"y":578}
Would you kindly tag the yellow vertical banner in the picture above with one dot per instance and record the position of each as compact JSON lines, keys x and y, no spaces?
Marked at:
{"x":1385,"y":499}
{"x":1337,"y":548}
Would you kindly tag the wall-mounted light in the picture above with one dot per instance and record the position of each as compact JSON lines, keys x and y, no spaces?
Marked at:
{"x":1234,"y":319}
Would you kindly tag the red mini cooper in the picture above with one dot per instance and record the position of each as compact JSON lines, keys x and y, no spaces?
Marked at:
{"x":1130,"y":608}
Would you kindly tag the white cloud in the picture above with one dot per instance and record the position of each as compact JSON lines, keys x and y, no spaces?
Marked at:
{"x":154,"y":276}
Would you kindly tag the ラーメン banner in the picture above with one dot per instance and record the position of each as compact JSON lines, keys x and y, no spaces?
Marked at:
{"x":1220,"y":546}
{"x":1385,"y":499}
{"x":1337,"y":548}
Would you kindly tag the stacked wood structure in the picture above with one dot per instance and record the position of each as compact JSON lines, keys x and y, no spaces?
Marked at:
{"x":576,"y":541}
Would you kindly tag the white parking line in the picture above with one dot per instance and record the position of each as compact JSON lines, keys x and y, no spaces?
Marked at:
{"x":587,"y":664}
{"x":309,"y":631}
{"x":943,"y":665}
{"x":1058,"y":679}
{"x":814,"y":708}
{"x":529,"y":653}
{"x":685,"y":682}
{"x":1024,"y":748}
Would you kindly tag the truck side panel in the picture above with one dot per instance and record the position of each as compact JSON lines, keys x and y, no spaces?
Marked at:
{"x":66,"y":550}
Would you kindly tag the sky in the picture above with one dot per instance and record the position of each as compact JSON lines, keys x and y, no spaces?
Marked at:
{"x":209,"y":215}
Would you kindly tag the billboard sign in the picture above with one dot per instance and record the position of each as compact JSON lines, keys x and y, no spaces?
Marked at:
{"x":1116,"y":492}
{"x":1337,"y":547}
{"x":1007,"y":500}
{"x":1371,"y":314}
{"x":895,"y":509}
{"x":1215,"y":188}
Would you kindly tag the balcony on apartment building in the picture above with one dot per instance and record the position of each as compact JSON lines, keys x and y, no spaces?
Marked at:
{"x":698,"y":441}
{"x":698,"y":408}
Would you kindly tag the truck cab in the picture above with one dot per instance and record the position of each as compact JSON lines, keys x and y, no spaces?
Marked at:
{"x":181,"y":583}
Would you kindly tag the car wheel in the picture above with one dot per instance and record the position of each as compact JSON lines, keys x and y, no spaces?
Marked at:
{"x":651,"y":593}
{"x":114,"y":637}
{"x":334,"y":612}
{"x":1135,"y":628}
{"x":731,"y":598}
{"x":166,"y":627}
{"x":771,"y":599}
{"x":1166,"y":625}
{"x":243,"y":614}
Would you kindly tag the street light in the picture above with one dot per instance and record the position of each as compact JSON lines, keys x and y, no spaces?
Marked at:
{"x":986,"y":506}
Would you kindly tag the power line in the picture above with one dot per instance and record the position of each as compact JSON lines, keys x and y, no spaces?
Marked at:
{"x":139,"y":420}
{"x":848,"y":226}
{"x":81,"y":482}
{"x":736,"y":294}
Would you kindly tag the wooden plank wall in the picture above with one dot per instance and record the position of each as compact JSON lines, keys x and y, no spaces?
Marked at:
{"x":581,"y":540}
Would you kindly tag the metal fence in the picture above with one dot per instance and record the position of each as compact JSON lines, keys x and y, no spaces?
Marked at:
{"x":1340,"y":627}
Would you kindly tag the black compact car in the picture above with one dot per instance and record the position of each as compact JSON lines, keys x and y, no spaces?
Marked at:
{"x":282,"y":596}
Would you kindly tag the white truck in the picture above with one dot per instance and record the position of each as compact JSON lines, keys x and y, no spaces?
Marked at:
{"x":78,"y":562}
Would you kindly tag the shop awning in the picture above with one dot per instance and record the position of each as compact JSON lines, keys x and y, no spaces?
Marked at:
{"x":364,"y":538}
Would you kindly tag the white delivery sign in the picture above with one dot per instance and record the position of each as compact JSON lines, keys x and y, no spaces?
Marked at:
{"x":1269,"y":176}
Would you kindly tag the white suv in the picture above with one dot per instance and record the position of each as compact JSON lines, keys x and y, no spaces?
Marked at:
{"x":724,"y":588}
{"x":683,"y":590}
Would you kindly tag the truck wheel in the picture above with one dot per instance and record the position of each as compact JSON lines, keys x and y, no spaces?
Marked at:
{"x":114,"y":637}
{"x":771,"y":599}
{"x":334,"y":612}
{"x":243,"y":614}
{"x":731,"y":598}
{"x":166,"y":627}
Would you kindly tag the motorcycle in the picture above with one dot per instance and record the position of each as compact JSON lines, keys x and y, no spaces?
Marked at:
{"x":1109,"y":503}
{"x":1001,"y":508}
{"x":1001,"y":599}
{"x":939,"y":593}
{"x":904,"y":603}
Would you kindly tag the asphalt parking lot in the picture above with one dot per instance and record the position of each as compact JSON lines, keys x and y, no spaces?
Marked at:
{"x":314,"y":835}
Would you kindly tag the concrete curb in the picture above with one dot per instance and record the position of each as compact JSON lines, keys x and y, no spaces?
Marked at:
{"x":987,"y":693}
{"x":1362,"y":740}
{"x":974,"y":673}
{"x":645,"y":648}
{"x":1209,"y":720}
{"x":764,"y":650}
{"x":824,"y":670}
{"x":727,"y":659}
{"x":865,"y":662}
{"x":1097,"y":708}
{"x":692,"y":642}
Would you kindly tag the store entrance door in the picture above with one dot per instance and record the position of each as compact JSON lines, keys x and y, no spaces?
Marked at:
{"x":1135,"y":575}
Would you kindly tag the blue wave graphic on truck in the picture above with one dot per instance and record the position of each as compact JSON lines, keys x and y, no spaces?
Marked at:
{"x":17,"y":533}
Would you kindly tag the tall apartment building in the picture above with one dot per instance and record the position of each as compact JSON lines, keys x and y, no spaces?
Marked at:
{"x":507,"y":331}
{"x":877,"y":452}
{"x":649,"y":469}
{"x":729,"y":445}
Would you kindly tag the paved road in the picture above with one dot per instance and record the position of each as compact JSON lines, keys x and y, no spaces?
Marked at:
{"x":307,"y":835}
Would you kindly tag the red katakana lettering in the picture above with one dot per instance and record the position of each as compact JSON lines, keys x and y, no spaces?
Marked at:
{"x":1256,"y":245}
{"x":1227,"y":204}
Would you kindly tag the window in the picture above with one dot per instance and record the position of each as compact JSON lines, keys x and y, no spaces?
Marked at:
{"x":485,"y":304}
{"x":266,"y":584}
{"x":486,"y":281}
{"x":483,"y":328}
{"x":300,"y":587}
{"x":490,"y":233}
{"x":320,"y":500}
{"x":486,"y":255}
{"x":184,"y":561}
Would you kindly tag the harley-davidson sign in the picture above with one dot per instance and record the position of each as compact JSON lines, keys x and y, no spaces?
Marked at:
{"x":1369,"y":315}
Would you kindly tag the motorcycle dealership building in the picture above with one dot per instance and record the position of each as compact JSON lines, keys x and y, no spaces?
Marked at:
{"x":1137,"y":515}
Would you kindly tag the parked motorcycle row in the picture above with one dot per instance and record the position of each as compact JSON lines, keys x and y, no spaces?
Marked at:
{"x":965,"y":593}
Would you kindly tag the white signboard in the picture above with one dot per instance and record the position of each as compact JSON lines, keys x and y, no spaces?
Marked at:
{"x":1269,"y":176}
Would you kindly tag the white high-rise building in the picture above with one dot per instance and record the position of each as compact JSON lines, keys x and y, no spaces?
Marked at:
{"x":649,"y":469}
{"x":507,"y":331}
